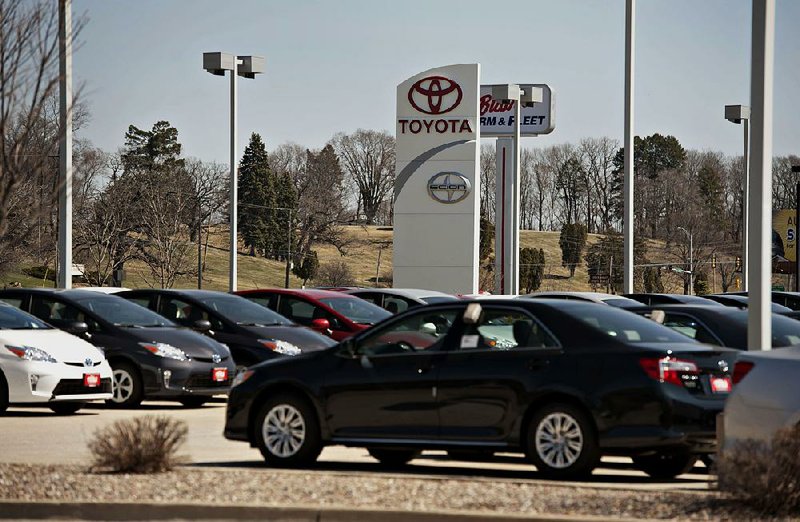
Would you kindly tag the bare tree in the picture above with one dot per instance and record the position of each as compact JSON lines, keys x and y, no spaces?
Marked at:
{"x":488,"y":179}
{"x":209,"y":183}
{"x":597,"y":155}
{"x":29,"y":75}
{"x":368,"y":159}
{"x":165,"y":201}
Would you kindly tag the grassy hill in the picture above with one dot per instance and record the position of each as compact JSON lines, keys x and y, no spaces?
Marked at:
{"x":362,"y":257}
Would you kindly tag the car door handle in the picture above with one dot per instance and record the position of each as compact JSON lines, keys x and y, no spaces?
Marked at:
{"x":538,"y":364}
{"x":422,"y":370}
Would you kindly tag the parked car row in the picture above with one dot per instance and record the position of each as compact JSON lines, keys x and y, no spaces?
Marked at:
{"x":563,"y":377}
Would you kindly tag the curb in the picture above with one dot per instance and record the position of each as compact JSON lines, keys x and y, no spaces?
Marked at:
{"x":124,"y":511}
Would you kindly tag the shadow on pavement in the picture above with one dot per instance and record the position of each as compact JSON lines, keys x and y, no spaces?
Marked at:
{"x":416,"y":468}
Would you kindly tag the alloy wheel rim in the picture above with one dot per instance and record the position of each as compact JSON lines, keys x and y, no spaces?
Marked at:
{"x":122,"y":386}
{"x":284,"y":430}
{"x":559,"y":440}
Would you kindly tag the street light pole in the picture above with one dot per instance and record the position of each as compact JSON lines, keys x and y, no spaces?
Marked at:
{"x":741,"y":114}
{"x":247,"y":66}
{"x":627,"y":219}
{"x":65,"y":145}
{"x":690,"y":235}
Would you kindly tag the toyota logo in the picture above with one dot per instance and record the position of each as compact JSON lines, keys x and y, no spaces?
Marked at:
{"x":435,"y":95}
{"x":216,"y":358}
{"x":449,"y":187}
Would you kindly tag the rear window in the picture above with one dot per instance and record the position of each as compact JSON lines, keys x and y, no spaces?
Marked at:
{"x":625,"y":326}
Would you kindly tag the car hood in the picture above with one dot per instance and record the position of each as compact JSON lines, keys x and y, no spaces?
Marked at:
{"x":192,"y":343}
{"x":304,"y":338}
{"x":61,"y":345}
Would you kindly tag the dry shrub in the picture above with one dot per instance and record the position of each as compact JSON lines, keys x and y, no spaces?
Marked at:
{"x":334,"y":273}
{"x":764,"y":476}
{"x":141,"y":445}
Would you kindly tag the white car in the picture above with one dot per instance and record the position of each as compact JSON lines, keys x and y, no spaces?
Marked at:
{"x":765,"y":397}
{"x":41,"y":364}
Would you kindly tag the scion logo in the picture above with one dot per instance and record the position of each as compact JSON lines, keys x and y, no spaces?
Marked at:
{"x":435,"y":95}
{"x":448,"y":187}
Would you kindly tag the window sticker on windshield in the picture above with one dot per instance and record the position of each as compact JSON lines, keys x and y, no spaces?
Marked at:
{"x":633,"y":335}
{"x":469,"y":341}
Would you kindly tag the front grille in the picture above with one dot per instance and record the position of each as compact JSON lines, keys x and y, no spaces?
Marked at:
{"x":205,"y":381}
{"x":76,"y":387}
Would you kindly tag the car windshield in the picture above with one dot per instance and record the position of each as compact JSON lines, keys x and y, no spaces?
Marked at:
{"x":243,"y":311}
{"x":434,"y":299}
{"x":357,"y":310}
{"x":13,"y":319}
{"x":625,"y":326}
{"x":123,"y":313}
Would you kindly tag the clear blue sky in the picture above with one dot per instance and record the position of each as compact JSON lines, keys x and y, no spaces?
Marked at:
{"x":334,"y":65}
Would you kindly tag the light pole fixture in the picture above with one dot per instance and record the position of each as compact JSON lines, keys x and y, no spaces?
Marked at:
{"x":796,"y":169}
{"x":691,"y":259}
{"x":247,"y":66}
{"x":627,"y":184}
{"x":741,"y":114}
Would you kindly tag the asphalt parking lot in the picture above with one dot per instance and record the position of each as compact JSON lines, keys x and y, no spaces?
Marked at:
{"x":37,"y":436}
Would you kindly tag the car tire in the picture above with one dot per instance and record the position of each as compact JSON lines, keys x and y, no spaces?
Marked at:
{"x":66,"y":408}
{"x":126,"y":386}
{"x":287,"y":431}
{"x":665,"y":465}
{"x":3,"y":394}
{"x":193,"y":401}
{"x":561,"y":442}
{"x":393,"y":458}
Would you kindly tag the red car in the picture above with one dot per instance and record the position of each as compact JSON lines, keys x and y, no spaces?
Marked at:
{"x":335,"y":314}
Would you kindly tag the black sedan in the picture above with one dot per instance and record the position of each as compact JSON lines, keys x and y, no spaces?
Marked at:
{"x":563,"y":381}
{"x":252,"y":332}
{"x":721,"y":325}
{"x":665,"y":299}
{"x":150,"y":357}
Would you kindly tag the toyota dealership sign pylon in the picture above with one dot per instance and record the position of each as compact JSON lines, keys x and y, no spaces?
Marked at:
{"x":436,"y":212}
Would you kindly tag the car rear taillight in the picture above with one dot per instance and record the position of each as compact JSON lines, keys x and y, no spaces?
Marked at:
{"x":669,"y":369}
{"x":740,"y":370}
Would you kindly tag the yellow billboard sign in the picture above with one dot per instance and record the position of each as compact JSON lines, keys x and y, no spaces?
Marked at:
{"x":784,"y":234}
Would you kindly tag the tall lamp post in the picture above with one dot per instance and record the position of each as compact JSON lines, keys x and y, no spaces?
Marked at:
{"x":796,"y":169}
{"x":741,"y":114}
{"x":248,"y":67}
{"x":691,"y":259}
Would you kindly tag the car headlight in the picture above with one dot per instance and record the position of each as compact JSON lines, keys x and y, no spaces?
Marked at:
{"x":165,"y":350}
{"x":241,"y":377}
{"x":282,"y":347}
{"x":29,"y":353}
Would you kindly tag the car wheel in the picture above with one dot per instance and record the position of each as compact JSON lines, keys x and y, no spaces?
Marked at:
{"x":665,"y":465}
{"x":126,"y":386}
{"x":3,"y":394}
{"x":66,"y":408}
{"x":287,"y":432}
{"x":193,"y":401}
{"x":393,"y":458}
{"x":561,"y":442}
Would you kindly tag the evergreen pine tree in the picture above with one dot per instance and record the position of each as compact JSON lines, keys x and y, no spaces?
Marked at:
{"x":255,"y":196}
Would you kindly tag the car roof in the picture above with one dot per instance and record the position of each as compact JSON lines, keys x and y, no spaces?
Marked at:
{"x":313,"y":293}
{"x":189,"y":292}
{"x":69,"y":293}
{"x":403,"y":292}
{"x":589,"y":296}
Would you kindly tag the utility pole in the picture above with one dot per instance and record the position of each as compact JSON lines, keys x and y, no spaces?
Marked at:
{"x":627,"y":219}
{"x":65,"y":145}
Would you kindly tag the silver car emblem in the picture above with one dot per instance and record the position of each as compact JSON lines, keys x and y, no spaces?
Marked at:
{"x":215,"y":358}
{"x":88,"y":362}
{"x":723,"y":365}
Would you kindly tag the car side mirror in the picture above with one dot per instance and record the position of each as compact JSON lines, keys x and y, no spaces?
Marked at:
{"x":321,"y":325}
{"x":76,"y":327}
{"x":201,"y":325}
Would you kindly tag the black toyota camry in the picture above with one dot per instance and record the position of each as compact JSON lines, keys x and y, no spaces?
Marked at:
{"x":150,"y":357}
{"x":563,"y":381}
